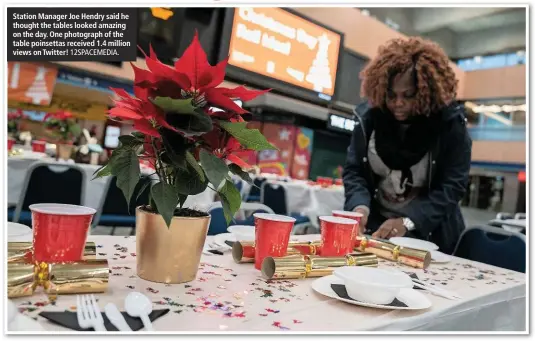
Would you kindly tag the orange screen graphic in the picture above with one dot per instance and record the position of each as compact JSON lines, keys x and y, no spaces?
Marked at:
{"x":278,"y":44}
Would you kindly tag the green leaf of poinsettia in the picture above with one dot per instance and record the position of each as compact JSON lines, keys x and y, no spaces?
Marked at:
{"x":195,"y":124}
{"x":195,"y":165}
{"x":130,"y":141}
{"x":188,"y":182}
{"x":102,"y":171}
{"x":235,"y":169}
{"x":138,"y":135}
{"x":75,"y":129}
{"x":215,"y":168}
{"x":181,"y":200}
{"x":178,"y":106}
{"x":125,"y":166}
{"x":166,"y":199}
{"x":175,"y":148}
{"x":183,"y":115}
{"x":230,"y":199}
{"x":248,"y":138}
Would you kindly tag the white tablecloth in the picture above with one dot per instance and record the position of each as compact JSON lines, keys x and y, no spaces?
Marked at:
{"x":94,"y":190}
{"x":233,"y":297}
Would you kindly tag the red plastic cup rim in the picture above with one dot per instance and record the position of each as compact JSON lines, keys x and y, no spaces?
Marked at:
{"x":62,"y":209}
{"x":274,"y":217}
{"x":348,"y":214}
{"x":338,"y":220}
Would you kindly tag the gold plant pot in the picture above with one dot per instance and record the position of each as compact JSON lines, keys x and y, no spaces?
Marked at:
{"x":169,"y":255}
{"x":64,"y":151}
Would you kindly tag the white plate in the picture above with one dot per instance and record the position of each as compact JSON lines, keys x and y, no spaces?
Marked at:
{"x":242,"y":232}
{"x":412,"y":298}
{"x":439,"y":257}
{"x":18,"y":322}
{"x":18,"y":232}
{"x":414,"y":243}
{"x":221,"y":238}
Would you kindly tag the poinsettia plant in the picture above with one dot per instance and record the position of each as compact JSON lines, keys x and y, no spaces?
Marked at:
{"x":188,"y":129}
{"x":62,"y":126}
{"x":13,"y":121}
{"x":338,"y":171}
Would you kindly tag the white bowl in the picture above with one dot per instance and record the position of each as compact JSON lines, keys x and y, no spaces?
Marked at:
{"x":242,"y":232}
{"x":373,"y":285}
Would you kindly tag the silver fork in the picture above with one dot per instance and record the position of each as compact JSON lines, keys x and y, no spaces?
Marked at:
{"x":88,"y":313}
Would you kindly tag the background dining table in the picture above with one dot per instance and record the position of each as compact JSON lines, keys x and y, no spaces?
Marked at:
{"x":230,"y":297}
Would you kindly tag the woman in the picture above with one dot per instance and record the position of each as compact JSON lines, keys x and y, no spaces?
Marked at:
{"x":408,"y":163}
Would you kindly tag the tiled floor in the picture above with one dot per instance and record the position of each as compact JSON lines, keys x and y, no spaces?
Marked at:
{"x":471,"y":217}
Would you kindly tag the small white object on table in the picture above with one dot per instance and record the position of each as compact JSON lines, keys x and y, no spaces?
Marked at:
{"x":234,"y":297}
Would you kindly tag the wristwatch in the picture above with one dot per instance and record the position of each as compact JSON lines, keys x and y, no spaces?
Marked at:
{"x":408,"y":224}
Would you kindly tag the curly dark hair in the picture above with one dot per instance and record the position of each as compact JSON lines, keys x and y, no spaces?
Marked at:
{"x":435,"y":79}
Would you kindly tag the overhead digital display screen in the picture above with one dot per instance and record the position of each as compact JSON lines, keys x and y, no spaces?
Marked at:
{"x":278,"y":44}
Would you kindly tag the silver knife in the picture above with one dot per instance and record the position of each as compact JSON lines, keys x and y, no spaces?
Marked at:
{"x":116,"y":318}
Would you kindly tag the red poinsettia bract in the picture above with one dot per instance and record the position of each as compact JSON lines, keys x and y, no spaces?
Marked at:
{"x":192,"y":76}
{"x":58,"y":115}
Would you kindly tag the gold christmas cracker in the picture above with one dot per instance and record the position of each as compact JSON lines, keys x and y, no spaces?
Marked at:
{"x":22,"y":252}
{"x":87,"y":276}
{"x":408,"y":256}
{"x":243,"y":252}
{"x":308,"y":266}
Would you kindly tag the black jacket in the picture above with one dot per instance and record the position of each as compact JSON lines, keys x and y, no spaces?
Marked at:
{"x":435,"y":212}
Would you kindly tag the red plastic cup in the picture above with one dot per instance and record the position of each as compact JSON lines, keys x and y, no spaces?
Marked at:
{"x":339,"y":182}
{"x":350,"y":215}
{"x":337,"y":236}
{"x":10,"y":144}
{"x":272,"y":233}
{"x":60,"y":231}
{"x":39,"y":146}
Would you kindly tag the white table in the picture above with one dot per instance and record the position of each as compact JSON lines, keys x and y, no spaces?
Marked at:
{"x":511,"y":225}
{"x":94,"y":190}
{"x":312,"y":201}
{"x":493,"y":298}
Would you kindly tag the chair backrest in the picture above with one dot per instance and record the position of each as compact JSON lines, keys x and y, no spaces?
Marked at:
{"x":115,"y":203}
{"x":255,"y":207}
{"x":520,"y":216}
{"x":51,"y":183}
{"x":504,"y":216}
{"x":273,"y":195}
{"x":247,"y":211}
{"x":494,"y":246}
{"x":218,"y":224}
{"x":257,"y":185}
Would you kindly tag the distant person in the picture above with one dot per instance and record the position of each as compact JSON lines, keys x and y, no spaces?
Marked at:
{"x":408,"y":163}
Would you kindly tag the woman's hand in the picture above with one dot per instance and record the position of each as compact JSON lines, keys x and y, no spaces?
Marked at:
{"x":391,"y":228}
{"x":363,"y":220}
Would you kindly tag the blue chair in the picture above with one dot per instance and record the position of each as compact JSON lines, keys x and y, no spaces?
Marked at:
{"x":273,"y":195}
{"x":218,"y":224}
{"x":493,"y":246}
{"x":116,"y":211}
{"x":56,"y":183}
{"x":254,"y":192}
{"x":247,"y":211}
